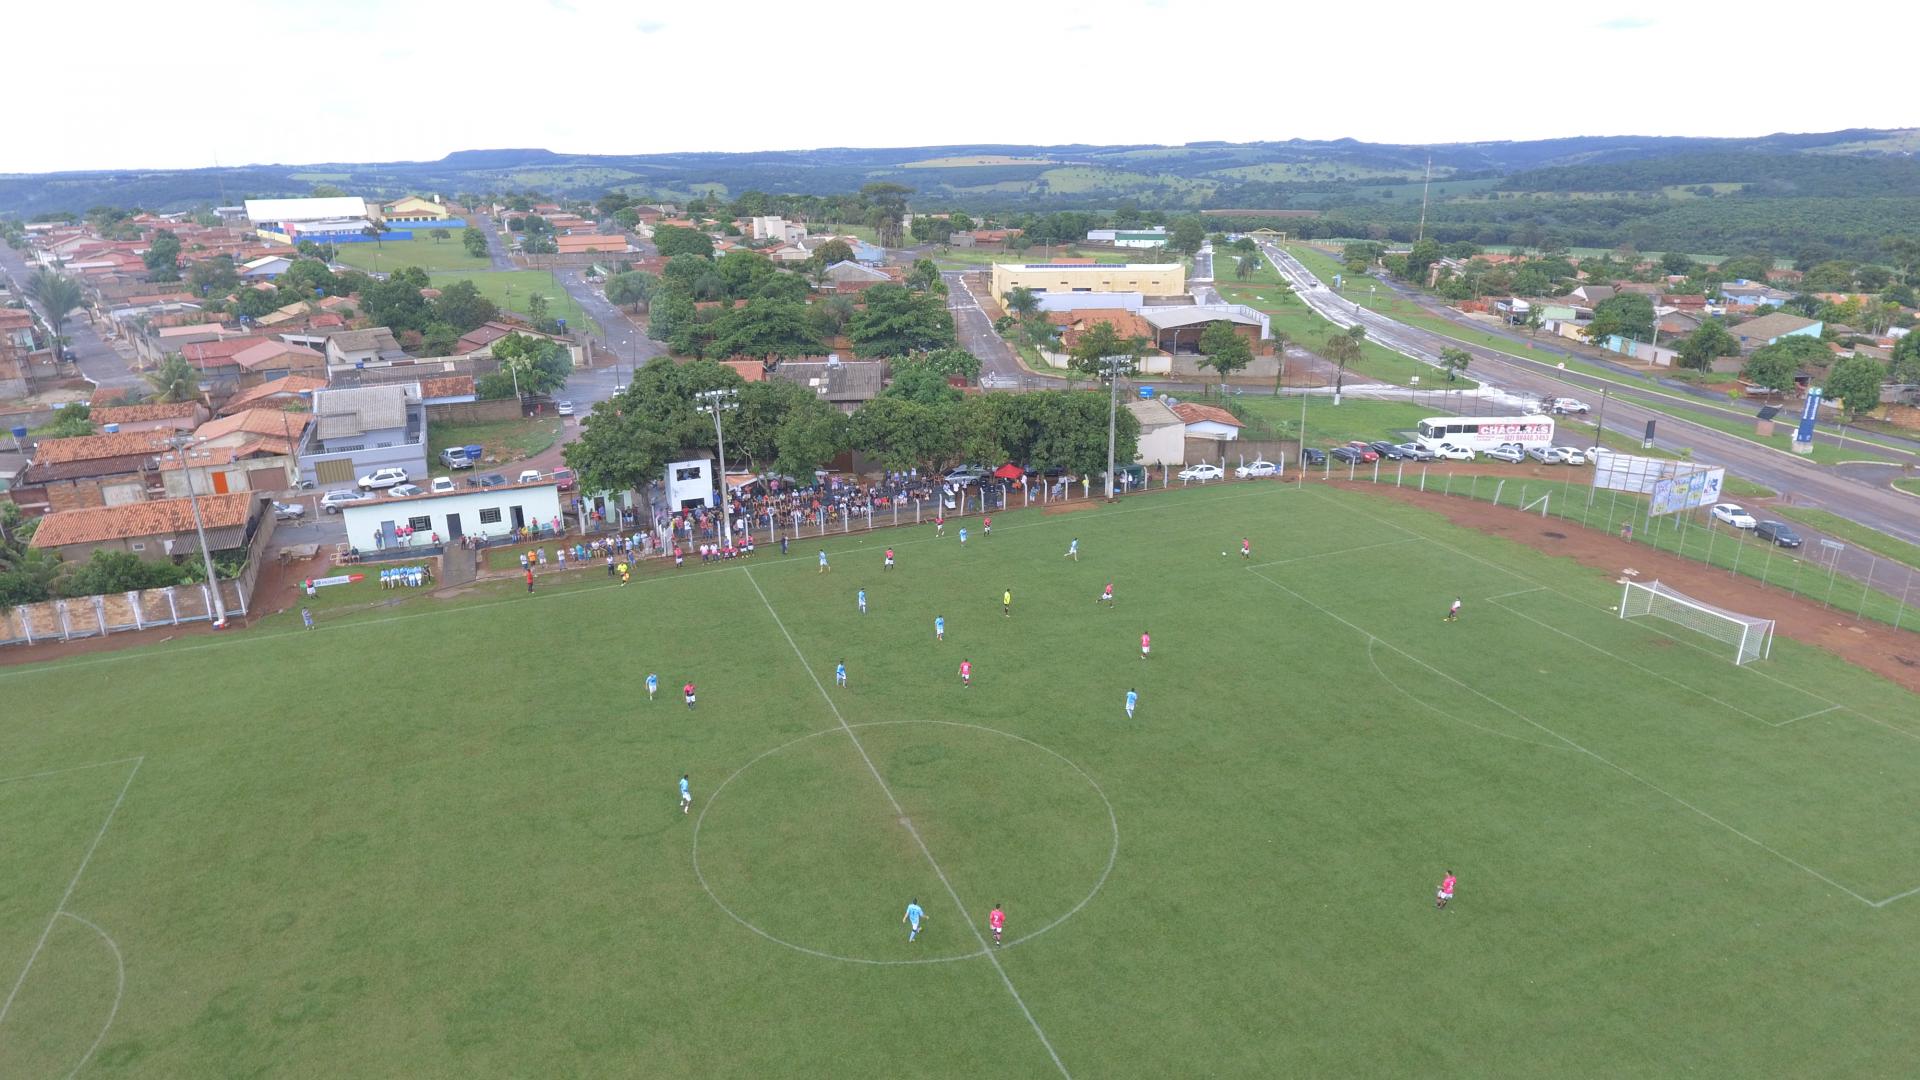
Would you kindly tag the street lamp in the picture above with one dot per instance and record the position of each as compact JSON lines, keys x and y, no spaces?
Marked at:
{"x":1111,"y":368}
{"x":180,"y":444}
{"x":717,"y":402}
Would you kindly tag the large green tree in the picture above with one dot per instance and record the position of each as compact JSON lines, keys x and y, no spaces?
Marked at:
{"x":57,"y":295}
{"x":633,"y":288}
{"x":1021,"y":301}
{"x":475,"y":241}
{"x":1223,"y":350}
{"x":628,"y":439}
{"x":1098,"y":341}
{"x":897,"y":321}
{"x":1804,"y":353}
{"x":120,"y":571}
{"x":1706,"y":344}
{"x":918,"y":382}
{"x":945,"y":361}
{"x":1628,"y":315}
{"x":163,"y":257}
{"x":1855,"y":383}
{"x":764,"y":329}
{"x":1905,"y":367}
{"x":462,"y":307}
{"x":1771,"y":368}
{"x":673,"y":240}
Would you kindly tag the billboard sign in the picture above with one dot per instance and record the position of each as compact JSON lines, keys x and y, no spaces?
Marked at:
{"x":1686,"y":491}
{"x":1804,"y":434}
{"x":1672,"y":485}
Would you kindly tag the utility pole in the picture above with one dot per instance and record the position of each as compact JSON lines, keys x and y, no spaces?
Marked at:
{"x":180,"y":444}
{"x":1424,"y":186}
{"x":717,"y":402}
{"x":1111,"y":368}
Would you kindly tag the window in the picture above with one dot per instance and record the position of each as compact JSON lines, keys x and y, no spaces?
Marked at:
{"x":490,"y":516}
{"x":421,"y":524}
{"x":687,"y":474}
{"x":137,"y":546}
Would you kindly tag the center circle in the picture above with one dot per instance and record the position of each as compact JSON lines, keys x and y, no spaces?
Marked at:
{"x":801,"y":845}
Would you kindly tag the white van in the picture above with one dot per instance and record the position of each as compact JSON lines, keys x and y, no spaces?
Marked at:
{"x":528,"y":477}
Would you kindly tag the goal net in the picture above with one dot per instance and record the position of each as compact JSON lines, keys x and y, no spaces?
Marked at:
{"x":1751,"y":638}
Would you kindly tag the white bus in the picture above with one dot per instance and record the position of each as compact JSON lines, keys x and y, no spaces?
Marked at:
{"x":1482,"y":433}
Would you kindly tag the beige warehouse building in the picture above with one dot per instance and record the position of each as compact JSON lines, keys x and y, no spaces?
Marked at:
{"x":1148,"y":279}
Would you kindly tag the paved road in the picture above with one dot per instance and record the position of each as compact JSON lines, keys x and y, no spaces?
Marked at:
{"x":96,"y":359}
{"x":998,"y":365}
{"x":496,"y":244}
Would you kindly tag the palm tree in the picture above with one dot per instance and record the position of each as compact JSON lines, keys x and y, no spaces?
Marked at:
{"x":174,"y":380}
{"x":376,"y":229}
{"x":58,"y":296}
{"x":1343,"y":349}
{"x":1022,"y":301}
{"x":1281,"y":339}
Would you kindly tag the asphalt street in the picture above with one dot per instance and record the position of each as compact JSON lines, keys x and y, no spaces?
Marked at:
{"x":96,"y":359}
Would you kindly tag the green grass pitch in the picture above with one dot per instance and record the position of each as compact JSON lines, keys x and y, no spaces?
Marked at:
{"x":443,"y":838}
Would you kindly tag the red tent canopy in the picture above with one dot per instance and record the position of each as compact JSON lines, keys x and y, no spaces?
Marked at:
{"x":1009,"y":471}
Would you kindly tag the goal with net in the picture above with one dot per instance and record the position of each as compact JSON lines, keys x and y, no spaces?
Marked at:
{"x":1751,"y":638}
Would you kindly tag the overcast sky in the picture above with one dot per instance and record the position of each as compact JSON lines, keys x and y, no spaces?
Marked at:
{"x":193,"y":83}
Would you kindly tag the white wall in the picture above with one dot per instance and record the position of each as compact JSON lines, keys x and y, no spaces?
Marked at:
{"x":538,"y":503}
{"x":1165,"y":446}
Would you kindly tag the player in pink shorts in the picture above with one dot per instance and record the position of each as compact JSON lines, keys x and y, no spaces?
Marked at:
{"x":996,"y":921}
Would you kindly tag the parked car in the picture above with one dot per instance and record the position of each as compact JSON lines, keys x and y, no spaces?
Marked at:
{"x":1313,"y":455}
{"x":492,"y":479}
{"x":564,"y":408}
{"x":1778,"y":532}
{"x":1544,"y":455}
{"x":383,"y":478}
{"x":1255,"y":469}
{"x":1387,"y":450}
{"x":1364,"y":449}
{"x":443,"y":484}
{"x":965,"y":474}
{"x":401,"y":491}
{"x":528,"y":476}
{"x":1414,"y":451}
{"x":1509,"y":453}
{"x":565,"y":478}
{"x":1202,"y":473}
{"x":288,"y":511}
{"x":1450,"y":452}
{"x":332,"y":501}
{"x":1344,"y":453}
{"x":1734,"y":515}
{"x":1569,"y":455}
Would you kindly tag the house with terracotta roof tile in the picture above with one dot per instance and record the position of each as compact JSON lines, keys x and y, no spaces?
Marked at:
{"x":170,"y":417}
{"x":158,"y":531}
{"x":277,"y":394}
{"x":272,"y":360}
{"x":1207,"y":421}
{"x":88,"y":470}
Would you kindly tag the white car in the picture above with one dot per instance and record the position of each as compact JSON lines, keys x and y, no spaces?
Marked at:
{"x":564,"y":408}
{"x":1255,"y":469}
{"x":1571,"y":405}
{"x":332,"y":501}
{"x":402,"y":491}
{"x":1202,"y":473}
{"x":443,"y":484}
{"x":383,"y":478}
{"x":1732,"y":514}
{"x":1509,"y":453}
{"x":288,"y":511}
{"x":529,"y":476}
{"x":1450,"y":452}
{"x":1569,"y":455}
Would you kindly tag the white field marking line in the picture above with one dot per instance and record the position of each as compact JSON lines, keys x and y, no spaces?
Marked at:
{"x":145,"y":653}
{"x":1113,"y":853}
{"x":1516,"y":592}
{"x":120,"y":991}
{"x":1327,"y":554}
{"x":901,"y":813}
{"x":1425,"y":704}
{"x":1640,"y":667}
{"x":7,"y":1005}
{"x":1897,"y":896}
{"x":1609,"y":763}
{"x":68,"y":769}
{"x":1752,"y":669}
{"x":1809,"y":716}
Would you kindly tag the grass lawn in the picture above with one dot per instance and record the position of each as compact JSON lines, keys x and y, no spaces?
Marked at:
{"x":507,"y":440}
{"x":510,"y":289}
{"x":1910,"y":486}
{"x":1303,"y":326}
{"x":1853,"y":533}
{"x":429,"y":255}
{"x":482,"y":869}
{"x":975,"y":257}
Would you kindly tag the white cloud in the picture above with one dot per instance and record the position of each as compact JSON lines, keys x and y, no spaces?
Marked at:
{"x":367,"y":80}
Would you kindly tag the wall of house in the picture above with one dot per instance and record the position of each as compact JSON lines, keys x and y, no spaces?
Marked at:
{"x":154,"y":548}
{"x":1171,"y":281}
{"x":1163,"y":446}
{"x":473,"y":412}
{"x":370,"y":525}
{"x":1208,"y":429}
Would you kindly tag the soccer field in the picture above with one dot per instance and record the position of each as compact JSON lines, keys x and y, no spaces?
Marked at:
{"x":444,"y":837}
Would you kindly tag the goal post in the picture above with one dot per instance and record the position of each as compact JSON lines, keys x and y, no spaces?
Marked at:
{"x":1751,"y":637}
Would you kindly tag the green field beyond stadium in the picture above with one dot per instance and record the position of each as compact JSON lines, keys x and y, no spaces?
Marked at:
{"x":443,"y":837}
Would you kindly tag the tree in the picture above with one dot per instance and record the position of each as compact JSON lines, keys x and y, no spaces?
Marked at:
{"x":1455,"y":360}
{"x":1803,"y":352}
{"x":632,"y":288}
{"x":1424,"y":254}
{"x":475,"y":241}
{"x":1904,"y":251}
{"x":1855,"y":383}
{"x":812,"y":434}
{"x":441,"y":234}
{"x":948,"y":362}
{"x":917,"y":382}
{"x":1677,"y":262}
{"x":26,"y":573}
{"x":924,"y":277}
{"x":57,"y":296}
{"x":1022,"y":301}
{"x":763,"y":329}
{"x":1707,"y":344}
{"x":888,"y":202}
{"x":462,"y":307}
{"x":1223,"y":350}
{"x":1187,"y":234}
{"x":960,"y":221}
{"x":119,"y":571}
{"x":673,"y":240}
{"x":213,"y":277}
{"x":1906,"y":360}
{"x":542,"y":366}
{"x":174,"y":380}
{"x":1245,"y":267}
{"x":69,"y":421}
{"x":897,"y":321}
{"x":1770,"y":367}
{"x":830,"y":252}
{"x":1342,"y":349}
{"x":627,"y":441}
{"x":1628,"y":315}
{"x":376,"y":230}
{"x":163,"y":257}
{"x":1098,"y":341}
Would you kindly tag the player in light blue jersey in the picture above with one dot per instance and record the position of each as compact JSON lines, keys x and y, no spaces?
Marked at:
{"x":840,"y":673}
{"x":912,"y":918}
{"x":939,"y":628}
{"x":863,"y":601}
{"x":1133,"y":698}
{"x":653,"y":684}
{"x":686,"y":795}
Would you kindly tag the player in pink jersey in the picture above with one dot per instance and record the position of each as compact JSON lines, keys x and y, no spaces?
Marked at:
{"x":1146,"y":644}
{"x":1106,"y":596}
{"x":1446,"y":891}
{"x":1246,"y":548}
{"x":996,"y":921}
{"x":966,"y":673}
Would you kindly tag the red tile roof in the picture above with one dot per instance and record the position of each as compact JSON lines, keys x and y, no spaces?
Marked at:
{"x":286,"y":385}
{"x":162,"y":517}
{"x":274,"y":422}
{"x":1199,"y":414}
{"x":95,"y":447}
{"x":447,"y":386}
{"x":133,"y":414}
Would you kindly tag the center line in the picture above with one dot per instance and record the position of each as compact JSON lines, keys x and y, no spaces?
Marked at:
{"x":901,"y":813}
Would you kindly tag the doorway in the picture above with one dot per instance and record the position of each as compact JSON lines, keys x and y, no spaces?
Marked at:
{"x":453,"y":529}
{"x":518,"y":517}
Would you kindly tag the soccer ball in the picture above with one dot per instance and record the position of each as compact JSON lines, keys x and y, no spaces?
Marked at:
{"x":1223,"y":554}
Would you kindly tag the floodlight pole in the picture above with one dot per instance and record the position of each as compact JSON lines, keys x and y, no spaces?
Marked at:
{"x":180,"y":444}
{"x":1112,"y":367}
{"x":717,"y":402}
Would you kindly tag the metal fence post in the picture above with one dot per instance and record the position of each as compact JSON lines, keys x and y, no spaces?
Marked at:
{"x":1872,"y":563}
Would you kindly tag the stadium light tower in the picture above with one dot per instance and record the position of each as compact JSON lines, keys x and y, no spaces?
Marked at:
{"x":1111,"y":368}
{"x":717,"y":402}
{"x":180,"y":443}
